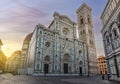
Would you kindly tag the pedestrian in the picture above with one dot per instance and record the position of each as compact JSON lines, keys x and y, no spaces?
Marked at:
{"x":103,"y":77}
{"x":108,"y":76}
{"x":88,"y":75}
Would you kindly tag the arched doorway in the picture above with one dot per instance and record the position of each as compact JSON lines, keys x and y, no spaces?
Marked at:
{"x":46,"y":64}
{"x":66,"y":60}
{"x":80,"y":68}
{"x":65,"y":68}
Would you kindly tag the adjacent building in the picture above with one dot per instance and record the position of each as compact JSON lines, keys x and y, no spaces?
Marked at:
{"x":102,"y":65}
{"x":13,"y":62}
{"x":57,"y":49}
{"x":24,"y":54}
{"x":2,"y":59}
{"x":111,"y":36}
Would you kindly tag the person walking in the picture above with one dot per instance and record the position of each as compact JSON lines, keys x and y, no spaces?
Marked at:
{"x":108,"y":77}
{"x":103,"y":77}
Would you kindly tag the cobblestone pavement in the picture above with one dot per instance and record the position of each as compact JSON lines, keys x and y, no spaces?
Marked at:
{"x":10,"y":79}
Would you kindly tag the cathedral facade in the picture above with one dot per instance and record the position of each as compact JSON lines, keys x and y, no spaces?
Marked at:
{"x":57,"y":49}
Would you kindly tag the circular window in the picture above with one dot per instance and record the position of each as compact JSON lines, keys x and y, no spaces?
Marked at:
{"x":47,"y":44}
{"x":65,"y":31}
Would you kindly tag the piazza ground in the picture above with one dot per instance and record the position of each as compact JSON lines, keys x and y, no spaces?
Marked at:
{"x":22,"y":79}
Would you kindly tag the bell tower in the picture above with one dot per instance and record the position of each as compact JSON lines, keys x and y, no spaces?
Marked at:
{"x":86,"y":35}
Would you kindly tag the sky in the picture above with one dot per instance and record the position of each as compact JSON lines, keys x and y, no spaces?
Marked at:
{"x":18,"y":18}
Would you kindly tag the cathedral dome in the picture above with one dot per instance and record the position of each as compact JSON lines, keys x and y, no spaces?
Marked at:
{"x":27,"y":38}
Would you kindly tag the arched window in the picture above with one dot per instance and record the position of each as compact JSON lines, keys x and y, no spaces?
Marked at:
{"x":89,"y":20}
{"x":81,"y":20}
{"x":56,"y":24}
{"x":107,"y":39}
{"x":119,"y":28}
{"x":40,"y":32}
{"x":115,"y":32}
{"x":118,"y":17}
{"x":83,"y":31}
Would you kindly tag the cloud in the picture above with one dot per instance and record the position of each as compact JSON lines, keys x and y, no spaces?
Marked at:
{"x":16,"y":22}
{"x":20,"y":16}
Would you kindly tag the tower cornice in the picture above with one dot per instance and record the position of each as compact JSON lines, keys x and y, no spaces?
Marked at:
{"x":82,"y":6}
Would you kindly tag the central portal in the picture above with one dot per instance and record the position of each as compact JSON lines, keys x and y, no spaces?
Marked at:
{"x":65,"y":68}
{"x":46,"y":68}
{"x":80,"y":70}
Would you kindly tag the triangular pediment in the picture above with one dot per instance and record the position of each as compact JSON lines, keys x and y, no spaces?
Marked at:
{"x":63,"y":18}
{"x":66,"y":19}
